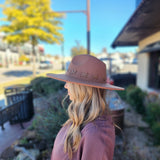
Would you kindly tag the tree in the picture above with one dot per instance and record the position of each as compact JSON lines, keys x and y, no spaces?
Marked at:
{"x":31,"y":21}
{"x":23,"y":58}
{"x":78,"y":49}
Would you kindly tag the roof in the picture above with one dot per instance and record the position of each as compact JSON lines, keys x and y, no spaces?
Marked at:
{"x":151,"y":47}
{"x":144,"y":22}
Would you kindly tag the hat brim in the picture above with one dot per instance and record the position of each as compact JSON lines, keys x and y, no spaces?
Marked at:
{"x":66,"y":78}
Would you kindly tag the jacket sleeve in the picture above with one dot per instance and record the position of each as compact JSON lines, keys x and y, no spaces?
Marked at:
{"x":98,"y":144}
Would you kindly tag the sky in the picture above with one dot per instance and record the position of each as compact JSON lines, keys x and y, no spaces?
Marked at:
{"x":107,"y":18}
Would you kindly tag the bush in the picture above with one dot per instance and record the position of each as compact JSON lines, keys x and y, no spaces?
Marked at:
{"x":151,"y":97}
{"x":135,"y":97}
{"x":45,"y":86}
{"x":156,"y":132}
{"x":152,"y":113}
{"x":49,"y":122}
{"x":130,"y":88}
{"x":122,"y":94}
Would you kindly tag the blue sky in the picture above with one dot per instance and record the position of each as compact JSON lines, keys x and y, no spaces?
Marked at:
{"x":107,"y":19}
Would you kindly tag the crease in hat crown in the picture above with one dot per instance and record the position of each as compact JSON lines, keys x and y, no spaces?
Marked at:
{"x":86,"y":70}
{"x":89,"y":68}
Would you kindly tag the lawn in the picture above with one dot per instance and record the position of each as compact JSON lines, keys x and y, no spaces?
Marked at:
{"x":25,"y":80}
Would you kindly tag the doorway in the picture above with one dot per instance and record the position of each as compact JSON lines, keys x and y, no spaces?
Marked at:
{"x":154,"y":70}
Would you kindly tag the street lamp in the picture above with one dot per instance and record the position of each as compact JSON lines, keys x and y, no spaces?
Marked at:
{"x":87,"y":13}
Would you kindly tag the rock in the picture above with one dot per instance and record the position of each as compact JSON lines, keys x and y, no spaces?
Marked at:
{"x":22,"y":156}
{"x":30,"y":154}
{"x":133,"y":119}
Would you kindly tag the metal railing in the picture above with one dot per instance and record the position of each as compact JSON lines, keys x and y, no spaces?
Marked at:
{"x":10,"y":112}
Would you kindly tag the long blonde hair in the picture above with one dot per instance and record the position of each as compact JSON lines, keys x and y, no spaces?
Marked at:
{"x":88,"y":103}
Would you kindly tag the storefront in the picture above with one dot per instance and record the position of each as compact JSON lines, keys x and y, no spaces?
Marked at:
{"x":143,"y":30}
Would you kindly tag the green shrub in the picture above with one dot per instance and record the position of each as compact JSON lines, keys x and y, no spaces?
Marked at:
{"x":130,"y":88}
{"x":152,"y":113}
{"x":23,"y":141}
{"x":156,"y":132}
{"x":152,"y":97}
{"x":122,"y":94}
{"x":45,"y":86}
{"x":50,"y":121}
{"x":135,"y":97}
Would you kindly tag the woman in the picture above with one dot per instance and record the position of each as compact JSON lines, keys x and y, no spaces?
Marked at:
{"x":89,"y":132}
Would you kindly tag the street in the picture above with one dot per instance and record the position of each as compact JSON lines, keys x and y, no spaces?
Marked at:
{"x":14,"y":72}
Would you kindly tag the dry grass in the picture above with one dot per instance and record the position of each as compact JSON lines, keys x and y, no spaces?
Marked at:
{"x":25,"y":80}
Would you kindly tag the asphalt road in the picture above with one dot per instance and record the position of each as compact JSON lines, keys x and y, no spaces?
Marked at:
{"x":12,"y":73}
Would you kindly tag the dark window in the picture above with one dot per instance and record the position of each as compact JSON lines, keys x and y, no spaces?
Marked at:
{"x":154,"y":70}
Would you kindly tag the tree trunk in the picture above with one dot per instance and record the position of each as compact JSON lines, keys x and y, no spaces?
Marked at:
{"x":33,"y":58}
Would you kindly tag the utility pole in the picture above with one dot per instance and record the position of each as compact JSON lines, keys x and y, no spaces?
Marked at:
{"x":88,"y":26}
{"x":87,"y":13}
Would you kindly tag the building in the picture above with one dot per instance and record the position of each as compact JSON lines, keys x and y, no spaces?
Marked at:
{"x":143,"y":30}
{"x":9,"y":54}
{"x":102,"y":55}
{"x":27,"y":50}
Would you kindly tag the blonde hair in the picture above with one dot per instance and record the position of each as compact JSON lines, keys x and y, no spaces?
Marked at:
{"x":88,"y":103}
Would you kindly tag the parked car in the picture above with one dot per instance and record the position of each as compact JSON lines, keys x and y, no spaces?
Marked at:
{"x":45,"y":65}
{"x":135,"y":61}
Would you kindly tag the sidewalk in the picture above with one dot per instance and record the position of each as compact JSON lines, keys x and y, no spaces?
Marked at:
{"x":10,"y":134}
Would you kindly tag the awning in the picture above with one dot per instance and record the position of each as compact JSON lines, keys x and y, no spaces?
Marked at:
{"x":144,"y":22}
{"x":151,"y":48}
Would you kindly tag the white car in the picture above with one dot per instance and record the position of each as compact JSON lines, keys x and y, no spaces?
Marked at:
{"x":45,"y":65}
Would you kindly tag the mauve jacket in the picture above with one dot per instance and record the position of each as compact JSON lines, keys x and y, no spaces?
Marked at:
{"x":97,"y":142}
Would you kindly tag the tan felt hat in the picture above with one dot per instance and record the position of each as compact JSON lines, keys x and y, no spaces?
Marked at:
{"x":86,"y":70}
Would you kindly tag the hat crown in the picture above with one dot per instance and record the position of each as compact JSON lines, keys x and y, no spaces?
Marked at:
{"x":88,"y":68}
